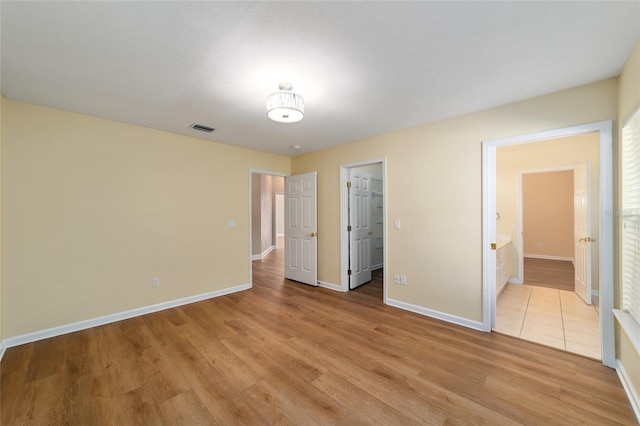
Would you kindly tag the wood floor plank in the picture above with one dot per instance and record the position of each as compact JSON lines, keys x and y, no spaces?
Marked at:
{"x":287,"y":353}
{"x":186,"y":409}
{"x":275,"y":408}
{"x":558,"y":274}
{"x":136,"y":407}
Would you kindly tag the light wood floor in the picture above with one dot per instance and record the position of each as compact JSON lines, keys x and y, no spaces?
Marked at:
{"x":287,"y":353}
{"x":558,"y":274}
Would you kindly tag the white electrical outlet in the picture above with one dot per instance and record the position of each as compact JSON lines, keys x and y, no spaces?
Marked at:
{"x":396,"y":279}
{"x":155,"y":282}
{"x":403,"y":279}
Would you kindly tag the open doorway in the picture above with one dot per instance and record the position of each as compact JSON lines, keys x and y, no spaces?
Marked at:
{"x":550,"y":305}
{"x":266,"y":212}
{"x":363,"y":226}
{"x":603,"y":202}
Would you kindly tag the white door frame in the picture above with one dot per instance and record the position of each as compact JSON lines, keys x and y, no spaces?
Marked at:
{"x":259,"y":172}
{"x":605,"y":229}
{"x":520,"y":278}
{"x":344,"y":220}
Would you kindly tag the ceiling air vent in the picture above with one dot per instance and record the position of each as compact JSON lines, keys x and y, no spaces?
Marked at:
{"x":202,"y":128}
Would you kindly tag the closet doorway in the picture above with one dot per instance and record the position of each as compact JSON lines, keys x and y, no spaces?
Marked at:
{"x":363,"y":227}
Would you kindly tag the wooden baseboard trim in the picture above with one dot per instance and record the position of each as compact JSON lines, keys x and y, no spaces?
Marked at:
{"x":107,"y":319}
{"x":542,"y":256}
{"x":464,"y":322}
{"x":330,"y":286}
{"x":628,"y":388}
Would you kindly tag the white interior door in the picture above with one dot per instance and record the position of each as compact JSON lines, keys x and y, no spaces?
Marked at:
{"x":582,"y":225}
{"x":361,"y":233}
{"x":300,"y":228}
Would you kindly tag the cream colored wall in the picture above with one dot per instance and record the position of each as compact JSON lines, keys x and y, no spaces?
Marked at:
{"x":547,"y":205}
{"x":1,"y":306}
{"x":629,"y":99}
{"x":95,"y":208}
{"x":266,"y":214}
{"x":562,"y":152}
{"x":434,"y":175}
{"x":256,"y":213}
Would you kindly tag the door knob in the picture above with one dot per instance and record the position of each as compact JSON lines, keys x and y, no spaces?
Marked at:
{"x":313,"y":234}
{"x":587,"y":240}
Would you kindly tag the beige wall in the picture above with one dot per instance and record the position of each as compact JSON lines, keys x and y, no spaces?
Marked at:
{"x":555,"y":153}
{"x":629,"y":99}
{"x":266,"y":213}
{"x":256,"y":213}
{"x":547,"y":205}
{"x":434,"y":187}
{"x":96,"y":208}
{"x":1,"y":310}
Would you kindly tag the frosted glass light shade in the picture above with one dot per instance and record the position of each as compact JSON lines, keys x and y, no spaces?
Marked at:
{"x":285,"y":107}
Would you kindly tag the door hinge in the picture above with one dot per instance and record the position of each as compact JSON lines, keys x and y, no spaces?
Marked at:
{"x":349,"y":228}
{"x":349,"y":184}
{"x":349,"y":272}
{"x":493,"y":246}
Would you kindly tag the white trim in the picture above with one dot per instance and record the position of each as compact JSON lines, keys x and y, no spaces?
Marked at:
{"x":344,"y":220}
{"x":544,"y":256}
{"x":595,"y":293}
{"x":330,"y":286}
{"x":107,"y":319}
{"x":264,"y":253}
{"x":515,"y":281}
{"x":376,"y":267}
{"x":463,"y":322}
{"x":630,"y":328}
{"x":604,"y":128}
{"x":627,"y":385}
{"x":3,"y":348}
{"x":250,"y":222}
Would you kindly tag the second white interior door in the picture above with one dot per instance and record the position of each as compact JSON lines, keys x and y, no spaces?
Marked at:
{"x":361,"y":231}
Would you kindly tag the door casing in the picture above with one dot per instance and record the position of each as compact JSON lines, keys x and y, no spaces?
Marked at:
{"x":344,"y":220}
{"x":605,"y":131}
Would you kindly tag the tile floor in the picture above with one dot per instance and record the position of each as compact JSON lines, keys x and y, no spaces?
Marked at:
{"x":551,"y":317}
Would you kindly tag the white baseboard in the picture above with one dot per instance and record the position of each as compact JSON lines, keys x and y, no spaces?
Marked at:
{"x":376,"y":267}
{"x":3,"y":348}
{"x":515,"y":281}
{"x":464,"y":322}
{"x":542,"y":256}
{"x":595,"y":293}
{"x":627,"y":384}
{"x":107,"y":319}
{"x":264,"y":253}
{"x":330,"y":286}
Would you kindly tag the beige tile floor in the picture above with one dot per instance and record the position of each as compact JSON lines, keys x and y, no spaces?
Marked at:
{"x":555,"y":318}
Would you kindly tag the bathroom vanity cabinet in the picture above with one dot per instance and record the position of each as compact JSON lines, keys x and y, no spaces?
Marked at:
{"x":503,"y":264}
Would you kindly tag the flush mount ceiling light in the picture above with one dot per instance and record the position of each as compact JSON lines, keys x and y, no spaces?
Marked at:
{"x":285,"y":106}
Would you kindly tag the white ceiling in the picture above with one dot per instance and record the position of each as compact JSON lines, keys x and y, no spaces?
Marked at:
{"x":364,"y":68}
